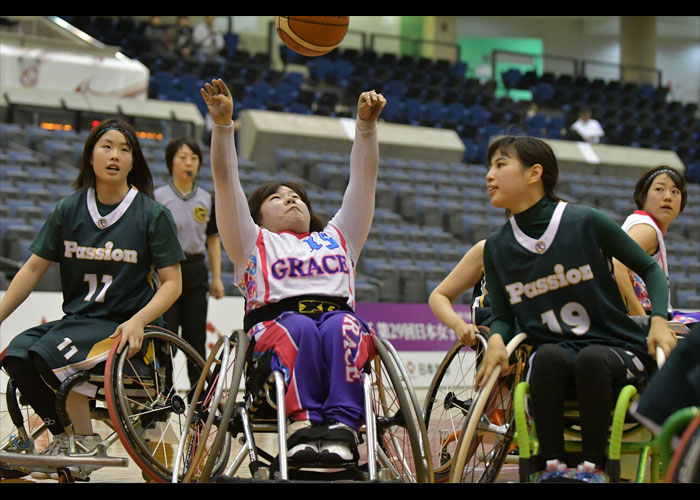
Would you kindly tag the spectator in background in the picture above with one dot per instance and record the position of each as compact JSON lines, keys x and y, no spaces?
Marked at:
{"x":192,"y":208}
{"x":157,"y":35}
{"x":586,"y":128}
{"x":207,"y":41}
{"x":181,"y":37}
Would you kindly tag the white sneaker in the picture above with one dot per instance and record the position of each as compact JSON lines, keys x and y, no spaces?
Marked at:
{"x":335,"y":452}
{"x":303,"y":448}
{"x":340,"y":445}
{"x":61,"y":446}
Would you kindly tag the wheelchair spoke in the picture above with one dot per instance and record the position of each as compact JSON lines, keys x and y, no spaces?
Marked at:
{"x":448,"y":402}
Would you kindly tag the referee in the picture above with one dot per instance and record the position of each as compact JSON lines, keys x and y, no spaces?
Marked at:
{"x":193,"y":211}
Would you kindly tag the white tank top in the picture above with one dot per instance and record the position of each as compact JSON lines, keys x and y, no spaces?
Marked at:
{"x":287,"y":264}
{"x":642,"y":217}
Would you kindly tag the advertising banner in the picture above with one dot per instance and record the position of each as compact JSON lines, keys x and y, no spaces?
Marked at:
{"x":420,"y":339}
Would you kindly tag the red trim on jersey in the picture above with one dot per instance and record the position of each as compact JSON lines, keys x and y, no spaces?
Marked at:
{"x":298,"y":235}
{"x":344,"y":244}
{"x":642,"y":212}
{"x":661,"y":256}
{"x":260,"y":243}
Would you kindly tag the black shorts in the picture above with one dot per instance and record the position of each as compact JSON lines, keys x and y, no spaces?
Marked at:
{"x":69,"y":345}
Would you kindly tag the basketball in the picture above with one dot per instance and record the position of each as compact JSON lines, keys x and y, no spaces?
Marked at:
{"x":312,"y":35}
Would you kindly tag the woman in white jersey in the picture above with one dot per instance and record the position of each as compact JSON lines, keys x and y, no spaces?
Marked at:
{"x":660,"y":195}
{"x":287,"y":266}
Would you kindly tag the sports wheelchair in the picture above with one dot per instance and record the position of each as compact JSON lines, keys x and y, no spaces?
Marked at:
{"x":142,"y":400}
{"x":473,"y":433}
{"x":395,"y":442}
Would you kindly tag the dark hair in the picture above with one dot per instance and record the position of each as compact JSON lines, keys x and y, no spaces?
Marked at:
{"x":529,"y":150}
{"x":257,"y":197}
{"x":139,"y":176}
{"x":641,"y":189}
{"x":175,"y":145}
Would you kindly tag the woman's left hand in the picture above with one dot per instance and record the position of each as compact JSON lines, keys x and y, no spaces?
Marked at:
{"x":216,"y":289}
{"x":131,"y":332}
{"x":660,"y":335}
{"x":370,"y":106}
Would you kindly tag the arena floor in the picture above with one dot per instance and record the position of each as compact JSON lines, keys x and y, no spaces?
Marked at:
{"x":132,"y":474}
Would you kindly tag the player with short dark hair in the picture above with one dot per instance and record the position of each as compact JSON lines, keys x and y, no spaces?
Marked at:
{"x":660,"y":195}
{"x":299,"y":282}
{"x":193,"y":210}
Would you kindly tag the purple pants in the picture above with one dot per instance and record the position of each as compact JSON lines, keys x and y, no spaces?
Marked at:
{"x":321,"y":361}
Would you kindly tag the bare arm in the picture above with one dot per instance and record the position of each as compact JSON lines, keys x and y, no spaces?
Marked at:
{"x":216,"y":289}
{"x":645,"y":236}
{"x":354,"y":218}
{"x":236,"y":227}
{"x":131,"y":331}
{"x":463,"y":277}
{"x":24,"y":282}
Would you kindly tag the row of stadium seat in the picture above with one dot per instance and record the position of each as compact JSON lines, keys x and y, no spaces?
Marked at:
{"x":428,"y":213}
{"x":421,"y":91}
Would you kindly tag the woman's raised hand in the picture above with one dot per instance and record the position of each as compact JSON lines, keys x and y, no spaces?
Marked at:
{"x":219,"y":101}
{"x":369,"y":106}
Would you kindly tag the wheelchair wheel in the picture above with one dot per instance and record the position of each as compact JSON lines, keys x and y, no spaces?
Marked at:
{"x":447,"y":403}
{"x":685,"y":464}
{"x":486,"y":439}
{"x":148,"y":396}
{"x":402,"y":439}
{"x":205,"y":450}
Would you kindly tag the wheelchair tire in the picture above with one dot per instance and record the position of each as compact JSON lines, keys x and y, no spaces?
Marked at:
{"x":400,"y":429}
{"x":447,"y":403}
{"x":685,"y":463}
{"x":208,"y":464}
{"x":486,"y":439}
{"x":145,"y":405}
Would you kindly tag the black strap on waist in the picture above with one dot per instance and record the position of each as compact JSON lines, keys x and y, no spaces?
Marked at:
{"x":194,"y":257}
{"x":312,"y":305}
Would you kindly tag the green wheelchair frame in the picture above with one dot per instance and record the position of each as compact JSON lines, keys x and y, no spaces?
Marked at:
{"x":658,"y":448}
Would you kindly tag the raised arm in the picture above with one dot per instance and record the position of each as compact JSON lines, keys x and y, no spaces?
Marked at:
{"x":236,"y":227}
{"x":354,"y":219}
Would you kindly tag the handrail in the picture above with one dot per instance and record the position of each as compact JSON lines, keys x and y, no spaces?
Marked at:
{"x":579,"y":65}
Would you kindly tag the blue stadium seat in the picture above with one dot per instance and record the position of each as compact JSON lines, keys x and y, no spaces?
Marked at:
{"x":511,"y":78}
{"x":542,"y":93}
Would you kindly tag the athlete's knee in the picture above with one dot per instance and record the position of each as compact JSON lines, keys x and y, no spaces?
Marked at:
{"x":550,"y":360}
{"x":16,"y":366}
{"x":547,"y":354}
{"x":44,"y":370}
{"x":593,"y":358}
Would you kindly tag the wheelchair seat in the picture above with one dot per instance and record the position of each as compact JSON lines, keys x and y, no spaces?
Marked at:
{"x":392,"y":433}
{"x":139,"y":399}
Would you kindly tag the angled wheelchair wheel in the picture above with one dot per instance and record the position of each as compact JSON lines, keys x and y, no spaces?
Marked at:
{"x":447,"y":403}
{"x":403,"y":447}
{"x":204,"y":451}
{"x":148,"y":396}
{"x":486,"y":439}
{"x":685,"y":463}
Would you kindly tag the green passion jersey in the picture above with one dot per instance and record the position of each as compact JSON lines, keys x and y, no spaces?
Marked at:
{"x":550,"y":268}
{"x":108,"y":254}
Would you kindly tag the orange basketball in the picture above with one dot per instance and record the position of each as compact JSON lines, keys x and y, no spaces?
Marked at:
{"x":312,"y":35}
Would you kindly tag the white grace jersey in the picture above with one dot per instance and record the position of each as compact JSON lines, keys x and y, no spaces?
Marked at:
{"x":287,"y":264}
{"x":642,"y":217}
